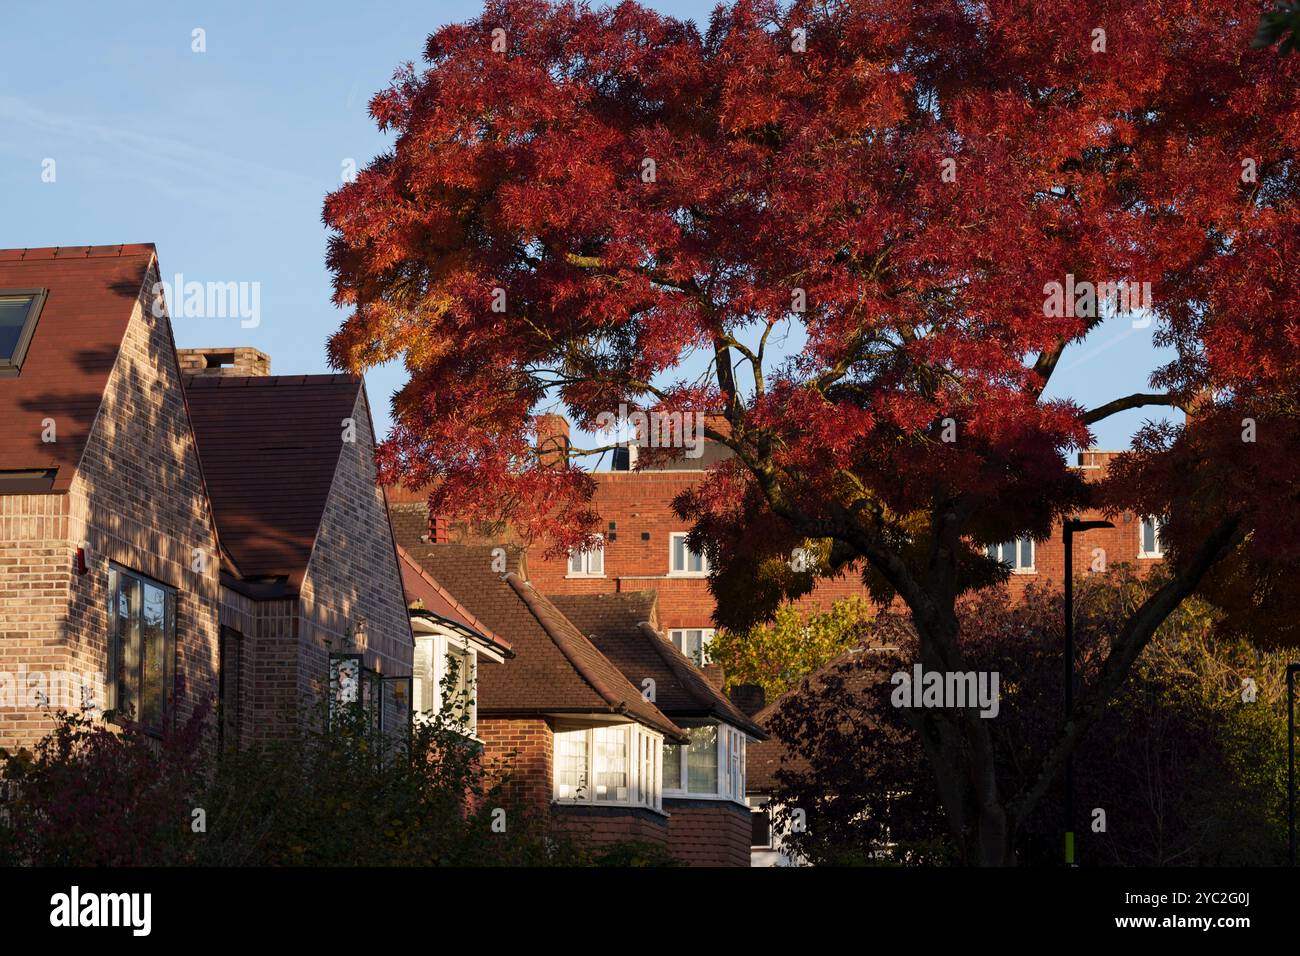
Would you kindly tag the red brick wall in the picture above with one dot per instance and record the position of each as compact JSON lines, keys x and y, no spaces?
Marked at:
{"x":709,"y":832}
{"x":524,"y":748}
{"x":640,"y":503}
{"x":601,"y":826}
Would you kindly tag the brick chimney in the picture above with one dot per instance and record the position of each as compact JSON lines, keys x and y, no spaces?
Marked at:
{"x":714,"y":674}
{"x":240,"y":361}
{"x":552,"y":440}
{"x":749,"y":698}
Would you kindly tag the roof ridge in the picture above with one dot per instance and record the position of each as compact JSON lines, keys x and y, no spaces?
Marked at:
{"x":44,"y":253}
{"x":533,"y":599}
{"x":686,"y":672}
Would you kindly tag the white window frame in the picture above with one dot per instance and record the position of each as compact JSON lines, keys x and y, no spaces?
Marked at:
{"x":644,"y":748}
{"x":677,"y":637}
{"x":732,"y":744}
{"x":672,"y":554}
{"x":584,"y":560}
{"x":996,"y":552}
{"x":442,"y":646}
{"x":1159,"y":552}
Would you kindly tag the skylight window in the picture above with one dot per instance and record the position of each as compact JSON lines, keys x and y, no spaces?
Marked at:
{"x":19,"y":310}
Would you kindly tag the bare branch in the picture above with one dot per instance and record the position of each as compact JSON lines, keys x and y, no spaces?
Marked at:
{"x":1136,"y":400}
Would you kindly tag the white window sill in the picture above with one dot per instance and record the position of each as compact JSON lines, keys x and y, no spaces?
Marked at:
{"x":618,"y":804}
{"x":718,"y":797}
{"x":1024,"y":570}
{"x":687,"y":574}
{"x":1152,"y":556}
{"x":570,"y":577}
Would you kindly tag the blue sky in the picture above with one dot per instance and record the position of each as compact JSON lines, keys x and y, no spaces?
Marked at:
{"x":222,"y":158}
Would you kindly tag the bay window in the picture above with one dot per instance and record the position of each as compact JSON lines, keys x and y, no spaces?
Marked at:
{"x":609,"y":765}
{"x":141,"y":648}
{"x":711,"y":765}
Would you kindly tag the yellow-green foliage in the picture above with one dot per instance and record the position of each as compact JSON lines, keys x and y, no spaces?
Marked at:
{"x":777,"y":655}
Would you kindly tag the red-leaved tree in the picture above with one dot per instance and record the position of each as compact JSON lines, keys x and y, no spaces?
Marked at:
{"x":578,"y":200}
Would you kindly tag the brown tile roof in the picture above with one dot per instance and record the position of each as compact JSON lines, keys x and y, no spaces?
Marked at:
{"x":619,"y":626}
{"x":92,"y":291}
{"x":555,"y":668}
{"x":269,"y":446}
{"x":437,"y":600}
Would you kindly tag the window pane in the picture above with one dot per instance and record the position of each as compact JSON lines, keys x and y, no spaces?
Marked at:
{"x":423,"y":686}
{"x":679,"y":552}
{"x":672,"y":766}
{"x":691,"y":645}
{"x":611,"y":761}
{"x":575,"y":561}
{"x":1026,"y":553}
{"x":762,"y":829}
{"x":13,"y":316}
{"x":462,"y":664}
{"x":596,"y":560}
{"x":702,"y":760}
{"x":571,"y":769}
{"x":1149,"y":535}
{"x":129,"y":658}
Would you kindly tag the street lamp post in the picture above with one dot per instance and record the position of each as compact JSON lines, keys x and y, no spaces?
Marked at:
{"x":1290,"y":758}
{"x":1068,"y":529}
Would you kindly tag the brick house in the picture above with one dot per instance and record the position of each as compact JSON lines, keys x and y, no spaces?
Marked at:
{"x":169,"y":541}
{"x":709,"y":822}
{"x":311,"y":586}
{"x":583,"y":744}
{"x":102,"y":499}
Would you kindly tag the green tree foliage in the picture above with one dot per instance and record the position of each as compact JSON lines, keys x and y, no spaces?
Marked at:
{"x":777,"y":655}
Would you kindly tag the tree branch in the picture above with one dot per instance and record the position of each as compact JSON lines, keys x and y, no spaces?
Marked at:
{"x":1136,"y":400}
{"x":1124,"y":651}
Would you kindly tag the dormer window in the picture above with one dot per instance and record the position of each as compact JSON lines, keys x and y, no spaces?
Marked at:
{"x":19,"y":310}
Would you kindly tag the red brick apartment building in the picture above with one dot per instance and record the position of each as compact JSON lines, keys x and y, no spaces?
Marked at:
{"x":178,"y":529}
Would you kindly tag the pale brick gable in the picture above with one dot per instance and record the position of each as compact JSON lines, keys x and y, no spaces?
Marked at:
{"x":353,"y":575}
{"x":138,"y":500}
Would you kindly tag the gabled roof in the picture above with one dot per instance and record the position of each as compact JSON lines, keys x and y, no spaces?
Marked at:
{"x":436,"y":600}
{"x":556,"y":669}
{"x":92,"y":292}
{"x":619,"y":626}
{"x":269,"y":446}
